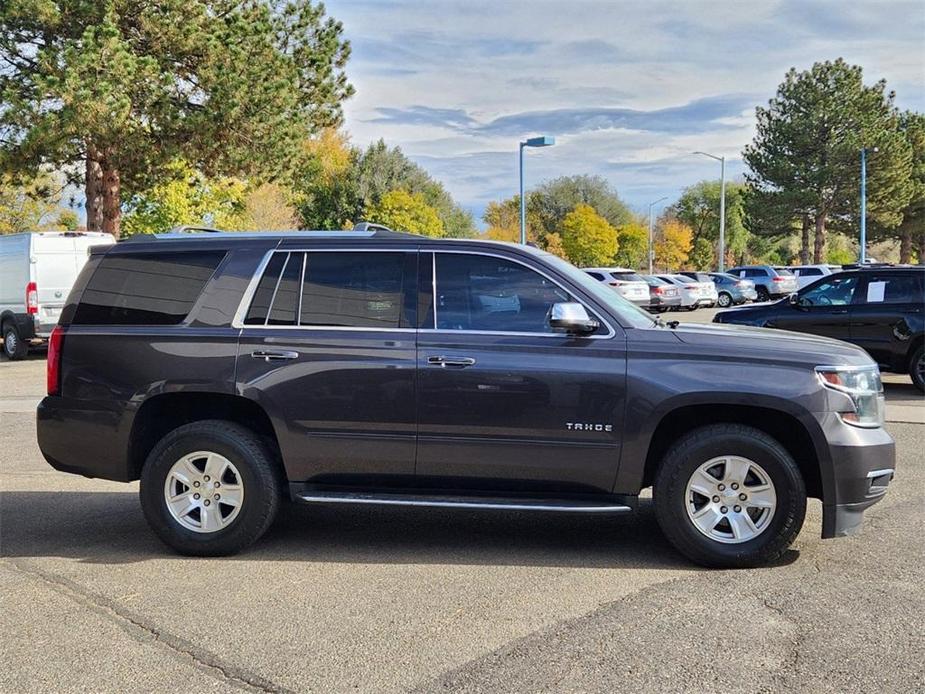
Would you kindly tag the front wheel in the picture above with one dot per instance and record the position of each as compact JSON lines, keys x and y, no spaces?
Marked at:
{"x":917,"y":368}
{"x":729,"y":496}
{"x":210,"y":488}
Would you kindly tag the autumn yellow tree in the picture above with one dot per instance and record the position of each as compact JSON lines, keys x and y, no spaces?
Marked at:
{"x":267,"y":208}
{"x":674,"y":243}
{"x":503,"y":220}
{"x":402,"y":211}
{"x":587,"y":238}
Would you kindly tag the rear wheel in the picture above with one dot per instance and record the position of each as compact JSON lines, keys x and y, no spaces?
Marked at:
{"x":724,"y":300}
{"x":210,"y":488}
{"x":763,"y":294}
{"x":729,"y":496}
{"x":13,"y":346}
{"x":917,"y":368}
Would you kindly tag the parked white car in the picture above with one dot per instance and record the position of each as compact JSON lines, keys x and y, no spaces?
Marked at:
{"x":807,"y":274}
{"x":36,"y":274}
{"x":628,"y":283}
{"x":693,"y":293}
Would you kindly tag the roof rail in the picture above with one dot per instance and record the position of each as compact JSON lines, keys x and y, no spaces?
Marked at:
{"x":370,"y":226}
{"x":192,"y":229}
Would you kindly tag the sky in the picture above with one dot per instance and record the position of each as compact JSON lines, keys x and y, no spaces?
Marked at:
{"x":629,"y":89}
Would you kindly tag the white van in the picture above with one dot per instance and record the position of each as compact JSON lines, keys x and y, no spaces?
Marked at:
{"x":36,"y":274}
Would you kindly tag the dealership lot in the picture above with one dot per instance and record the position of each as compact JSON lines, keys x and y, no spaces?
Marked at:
{"x":337,"y":599}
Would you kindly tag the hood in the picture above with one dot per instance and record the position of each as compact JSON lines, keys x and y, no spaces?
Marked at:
{"x":744,"y":342}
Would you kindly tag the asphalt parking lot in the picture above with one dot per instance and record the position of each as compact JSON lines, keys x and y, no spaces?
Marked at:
{"x":382,"y":600}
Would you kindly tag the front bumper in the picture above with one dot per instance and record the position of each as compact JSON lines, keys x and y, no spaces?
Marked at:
{"x":863,"y":463}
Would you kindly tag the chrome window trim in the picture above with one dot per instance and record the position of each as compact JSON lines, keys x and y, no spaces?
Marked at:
{"x":247,"y":297}
{"x":298,"y":316}
{"x":266,"y":321}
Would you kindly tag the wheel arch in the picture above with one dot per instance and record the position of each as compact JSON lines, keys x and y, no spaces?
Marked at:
{"x":163,"y":413}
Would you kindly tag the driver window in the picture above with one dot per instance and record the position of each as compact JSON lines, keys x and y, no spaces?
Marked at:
{"x":834,"y":292}
{"x":486,"y":293}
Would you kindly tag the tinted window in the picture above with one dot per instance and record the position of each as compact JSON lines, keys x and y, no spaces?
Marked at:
{"x":685,"y":279}
{"x":894,"y":289}
{"x":837,"y":291}
{"x":353,"y":289}
{"x":627,"y":276}
{"x":597,"y":275}
{"x":286,"y":302}
{"x":478,"y":292}
{"x":146,"y":289}
{"x":260,"y":305}
{"x":755,"y":272}
{"x":653,"y":281}
{"x":809,"y":271}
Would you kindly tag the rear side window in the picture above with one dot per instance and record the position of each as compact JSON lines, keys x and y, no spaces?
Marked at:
{"x":339,"y":289}
{"x":810,"y":272}
{"x":146,"y":289}
{"x":756,"y":272}
{"x":895,"y":288}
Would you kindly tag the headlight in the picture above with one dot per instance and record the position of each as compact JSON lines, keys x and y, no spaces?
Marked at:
{"x":862,"y":385}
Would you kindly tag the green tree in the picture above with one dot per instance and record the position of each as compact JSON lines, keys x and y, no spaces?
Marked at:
{"x":587,"y":237}
{"x":702,"y":255}
{"x":381,"y":169}
{"x":550,"y":203}
{"x":911,"y":232}
{"x":698,"y":207}
{"x":404,"y":211}
{"x":325,"y":188}
{"x":188,"y":198}
{"x":26,"y":206}
{"x":127,"y":86}
{"x":67,"y":220}
{"x":804,"y":158}
{"x":632,"y":245}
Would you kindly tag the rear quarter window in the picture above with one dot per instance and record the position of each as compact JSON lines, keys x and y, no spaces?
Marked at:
{"x":146,"y":289}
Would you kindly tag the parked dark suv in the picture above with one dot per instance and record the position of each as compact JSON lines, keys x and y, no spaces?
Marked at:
{"x":881,"y":309}
{"x":226,"y":371}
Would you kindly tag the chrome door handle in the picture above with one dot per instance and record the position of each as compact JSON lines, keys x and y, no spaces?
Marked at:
{"x":267,"y":355}
{"x":450,"y":361}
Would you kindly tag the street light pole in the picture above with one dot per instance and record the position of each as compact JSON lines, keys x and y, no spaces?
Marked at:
{"x":651,"y":253}
{"x":722,"y":208}
{"x":545,"y":141}
{"x":863,"y":254}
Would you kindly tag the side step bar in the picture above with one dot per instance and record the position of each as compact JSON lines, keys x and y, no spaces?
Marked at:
{"x":487,"y":503}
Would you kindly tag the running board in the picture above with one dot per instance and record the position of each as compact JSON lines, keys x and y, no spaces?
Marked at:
{"x":487,"y":503}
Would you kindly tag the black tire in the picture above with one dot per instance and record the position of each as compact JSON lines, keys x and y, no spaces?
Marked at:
{"x":724,"y":300}
{"x":763,"y":294}
{"x":14,"y":347}
{"x":703,"y":444}
{"x":917,"y":368}
{"x":259,"y":474}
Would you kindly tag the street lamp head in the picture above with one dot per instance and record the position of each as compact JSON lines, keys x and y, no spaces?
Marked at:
{"x":544,"y":141}
{"x":712,"y":156}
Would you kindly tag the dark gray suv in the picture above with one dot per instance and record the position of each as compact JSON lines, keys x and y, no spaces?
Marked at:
{"x":230,"y":371}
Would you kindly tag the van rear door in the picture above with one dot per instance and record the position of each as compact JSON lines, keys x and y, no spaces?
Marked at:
{"x":57,"y":258}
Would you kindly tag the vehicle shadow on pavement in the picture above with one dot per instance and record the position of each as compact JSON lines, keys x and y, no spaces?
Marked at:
{"x":108,"y":528}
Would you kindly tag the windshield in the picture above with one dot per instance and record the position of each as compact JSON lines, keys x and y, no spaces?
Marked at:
{"x":654,"y":281}
{"x":684,"y":278}
{"x":629,"y":314}
{"x":784,"y":272}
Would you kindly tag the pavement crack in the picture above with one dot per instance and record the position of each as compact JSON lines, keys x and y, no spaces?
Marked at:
{"x":140,"y":629}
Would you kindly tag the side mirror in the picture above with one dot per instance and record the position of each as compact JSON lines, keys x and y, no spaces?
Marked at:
{"x":794,"y":299}
{"x":571,"y":318}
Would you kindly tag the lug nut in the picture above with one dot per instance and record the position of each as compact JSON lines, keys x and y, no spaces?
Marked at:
{"x":742,"y":497}
{"x":195,"y":496}
{"x":206,"y":502}
{"x":217,"y":485}
{"x":734,"y":485}
{"x":195,"y":484}
{"x":737,"y":509}
{"x":218,"y":496}
{"x":715,"y":499}
{"x":721,"y":487}
{"x":723,"y":509}
{"x":206,"y":478}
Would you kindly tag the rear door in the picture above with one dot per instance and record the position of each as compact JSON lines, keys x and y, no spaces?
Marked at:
{"x":328,"y":348}
{"x":505,"y":403}
{"x":880,"y":316}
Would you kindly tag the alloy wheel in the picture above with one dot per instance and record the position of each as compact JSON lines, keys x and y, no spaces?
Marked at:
{"x":730,"y":499}
{"x":204,"y":492}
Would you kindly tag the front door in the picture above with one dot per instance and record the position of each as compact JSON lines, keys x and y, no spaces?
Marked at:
{"x":327,"y":348}
{"x":505,"y":403}
{"x":822,"y":309}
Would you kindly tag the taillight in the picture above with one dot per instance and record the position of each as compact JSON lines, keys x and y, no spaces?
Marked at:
{"x":53,"y":363}
{"x":32,"y":298}
{"x":778,"y":279}
{"x":614,"y":284}
{"x":660,"y":290}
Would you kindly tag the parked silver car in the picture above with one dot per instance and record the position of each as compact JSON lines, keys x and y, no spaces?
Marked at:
{"x":693,"y":293}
